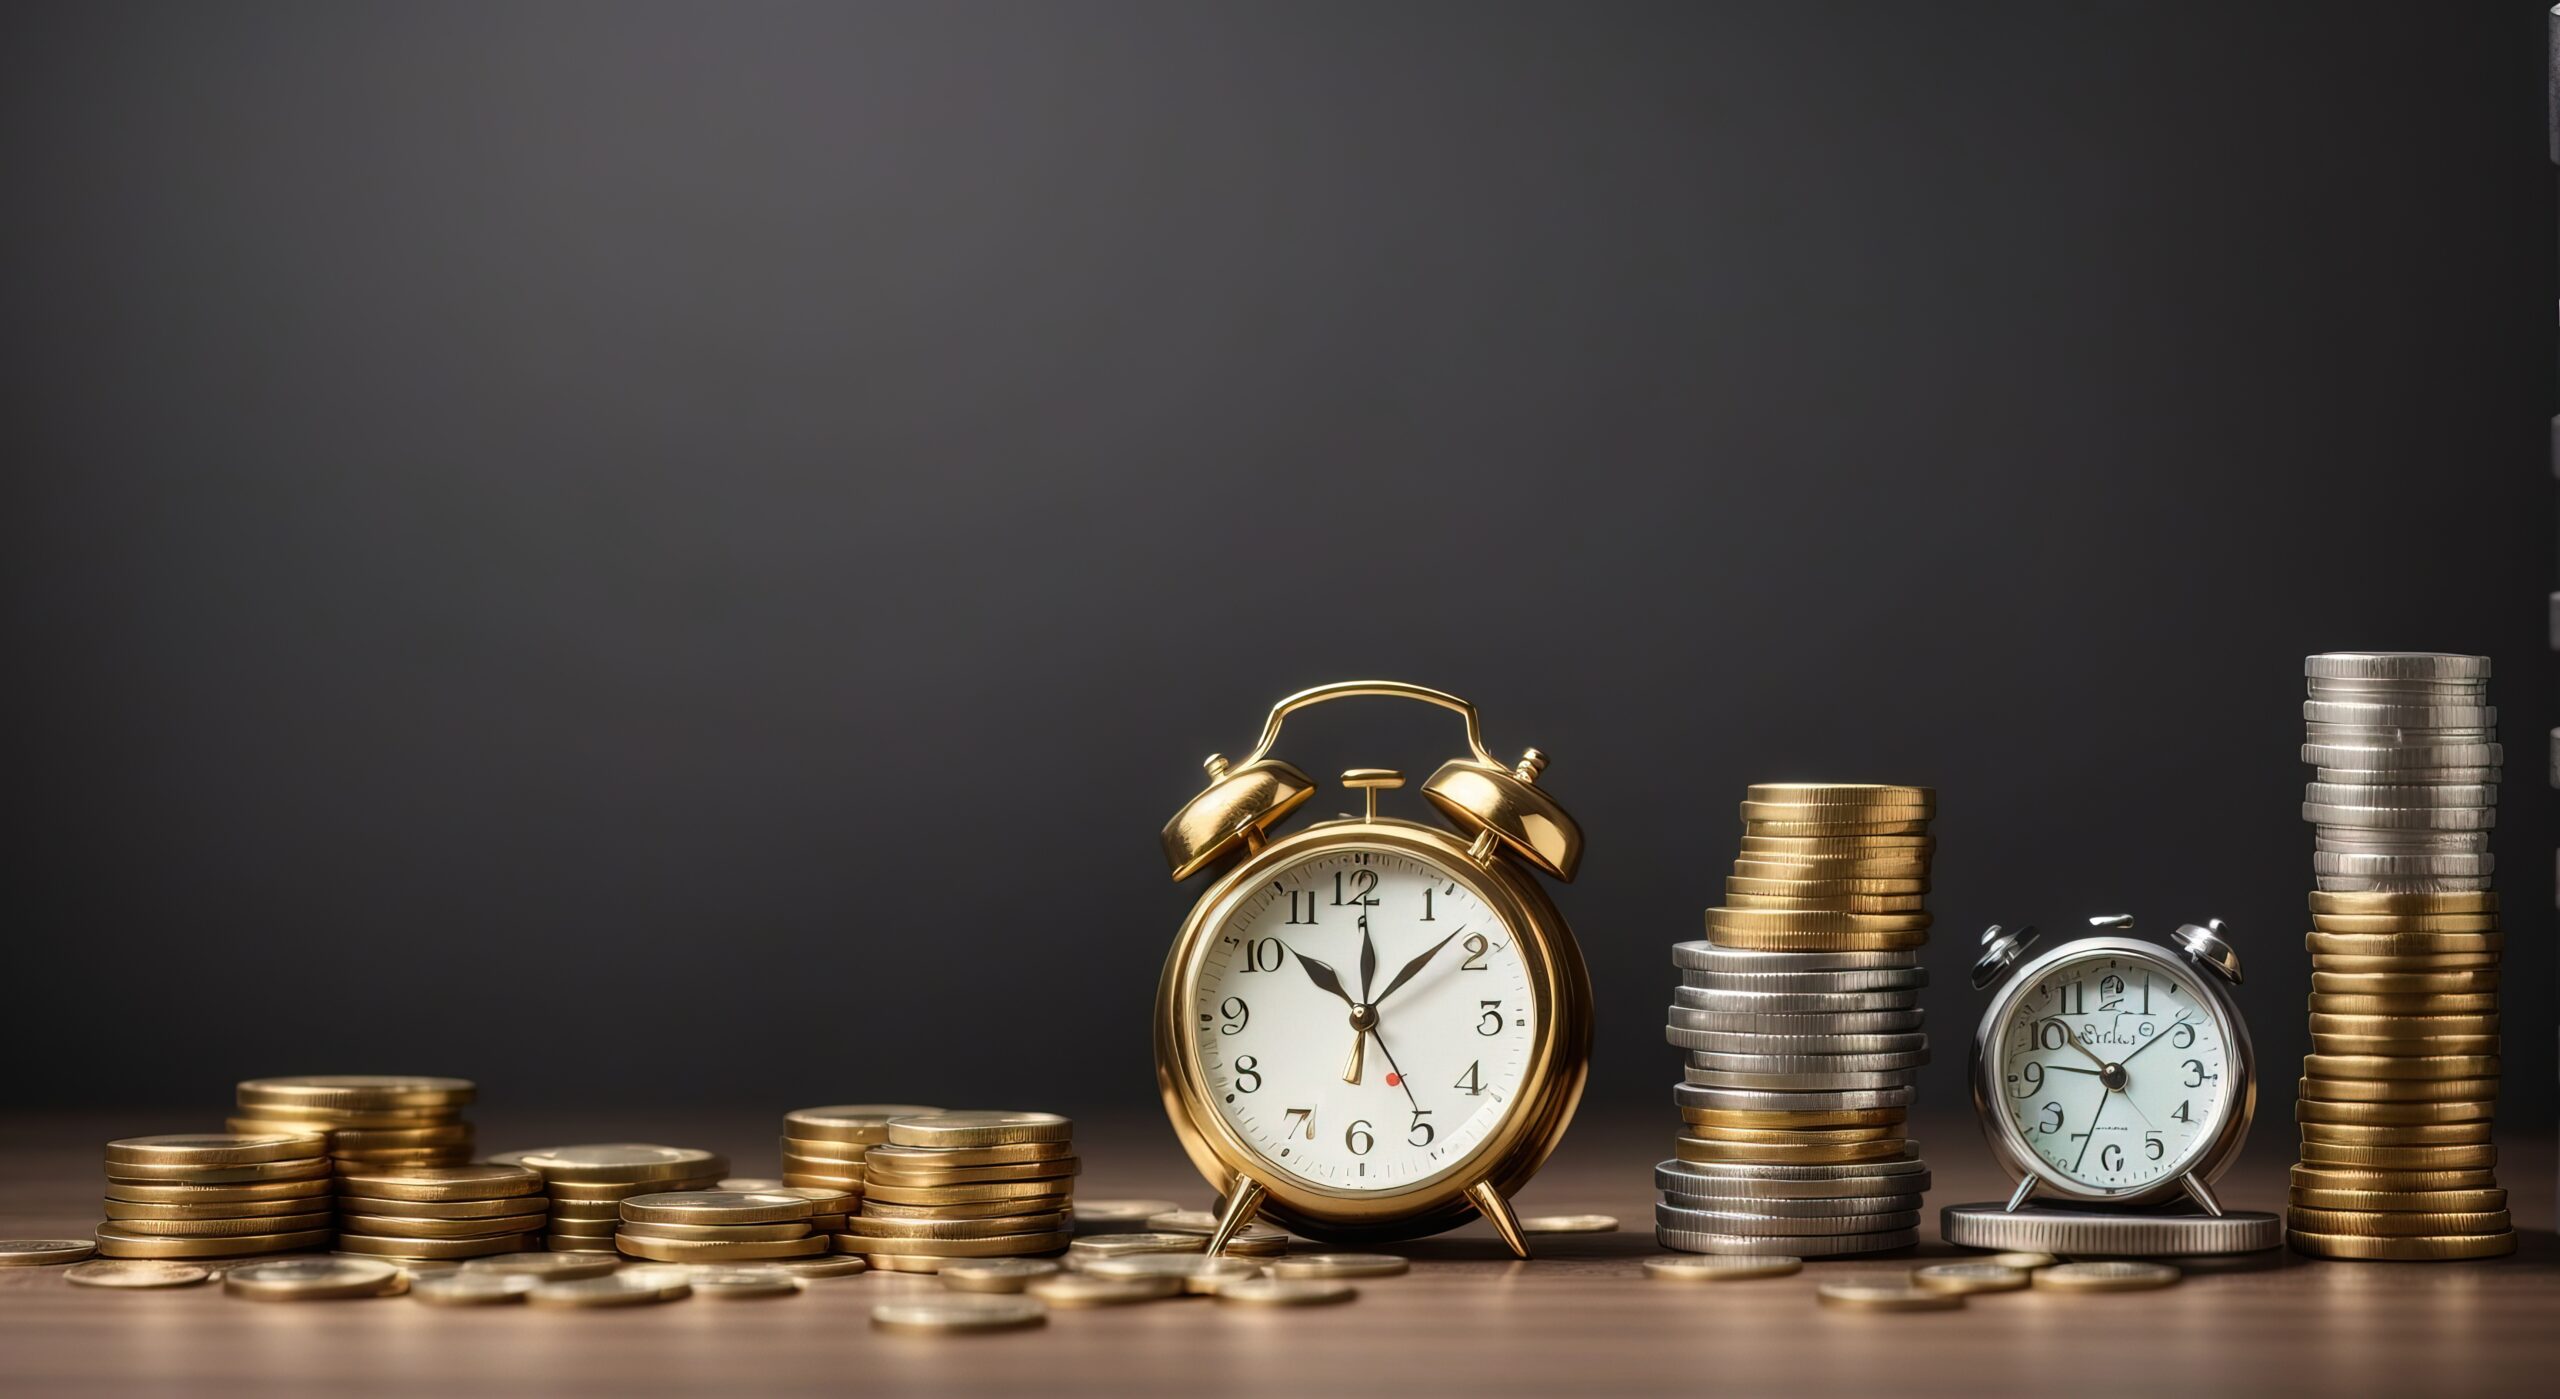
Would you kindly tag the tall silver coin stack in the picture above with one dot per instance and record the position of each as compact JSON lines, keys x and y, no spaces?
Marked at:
{"x":2405,"y":758}
{"x":1800,"y":1015}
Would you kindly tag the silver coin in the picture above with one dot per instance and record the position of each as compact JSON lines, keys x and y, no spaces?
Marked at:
{"x":1780,"y":1226}
{"x":1823,"y":1207}
{"x":2446,"y":794}
{"x":2442,"y":884}
{"x":2375,"y":842}
{"x":2402,"y":817}
{"x":1791,"y":1002}
{"x":2401,"y":866}
{"x":2395,"y":665}
{"x":1690,"y":1095}
{"x":1881,"y":979}
{"x":1692,"y":1241}
{"x":1907,"y":1166}
{"x":2398,"y":691}
{"x":2347,"y":733}
{"x":2396,"y":755}
{"x":1845,"y":1061}
{"x":1681,"y":1186}
{"x":2401,"y":716}
{"x":2389,"y":777}
{"x":1750,"y":1022}
{"x":2109,"y":1234}
{"x":1706,"y":956}
{"x":1812,"y":1083}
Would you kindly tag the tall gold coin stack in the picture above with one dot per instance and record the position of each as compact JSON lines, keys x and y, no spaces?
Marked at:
{"x":1801,"y":1017}
{"x":216,"y":1195}
{"x":372,"y":1122}
{"x":406,"y":1212}
{"x":952,"y":1185}
{"x":586,"y":1185}
{"x":2401,"y":1084}
{"x":828,"y":1148}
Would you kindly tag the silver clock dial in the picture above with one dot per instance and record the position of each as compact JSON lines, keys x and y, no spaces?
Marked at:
{"x":2114,"y":1071}
{"x":1349,"y":936}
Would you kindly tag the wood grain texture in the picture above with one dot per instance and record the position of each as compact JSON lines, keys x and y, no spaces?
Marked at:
{"x":1467,"y":1320}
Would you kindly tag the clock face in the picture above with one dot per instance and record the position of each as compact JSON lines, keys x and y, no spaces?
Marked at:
{"x":2114,"y":1071}
{"x":1363,"y":1019}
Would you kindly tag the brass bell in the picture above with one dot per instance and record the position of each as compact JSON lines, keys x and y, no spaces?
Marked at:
{"x":1490,"y":800}
{"x":1236,"y":808}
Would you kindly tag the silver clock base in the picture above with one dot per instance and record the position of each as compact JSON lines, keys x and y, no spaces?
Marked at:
{"x":2103,"y":1234}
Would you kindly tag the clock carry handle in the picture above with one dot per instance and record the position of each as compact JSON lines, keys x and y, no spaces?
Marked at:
{"x":1367,"y":689}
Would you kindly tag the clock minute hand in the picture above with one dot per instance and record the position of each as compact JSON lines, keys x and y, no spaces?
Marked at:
{"x":1414,"y":967}
{"x":2155,"y":1039}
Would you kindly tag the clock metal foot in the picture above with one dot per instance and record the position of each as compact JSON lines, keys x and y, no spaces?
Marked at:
{"x":1244,"y":1197}
{"x":1497,"y":1211}
{"x":2202,"y":1196}
{"x":2018,"y":1197}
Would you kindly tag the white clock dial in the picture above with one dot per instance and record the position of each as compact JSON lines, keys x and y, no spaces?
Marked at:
{"x":1347,"y":935}
{"x":2114,"y":1072}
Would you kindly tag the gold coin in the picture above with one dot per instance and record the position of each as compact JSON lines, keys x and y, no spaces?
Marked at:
{"x":1789,"y":869}
{"x":999,"y":1274}
{"x":350,"y":1140}
{"x":115,"y":1241}
{"x":618,"y":1163}
{"x":900,"y":1263}
{"x":2404,"y":1027}
{"x":1715,"y":1267}
{"x":715,"y":1251}
{"x":2401,"y":1158}
{"x":361,"y":1092}
{"x":718,"y":1233}
{"x":1762,"y":920}
{"x":1970,"y":1277}
{"x":1842,"y":793}
{"x":2442,"y":1003}
{"x":2398,"y":925}
{"x":2464,"y":983}
{"x":823,"y":1267}
{"x":388,"y":1227}
{"x":473,"y":1289}
{"x":1910,"y":845}
{"x":1124,"y":1245}
{"x":1830,"y":903}
{"x":1692,"y":1149}
{"x":1115,"y":1212}
{"x":139,"y":1192}
{"x":742,"y":1282}
{"x":822,"y":1199}
{"x":824,"y":1180}
{"x":378,"y":1245}
{"x":545,"y":1266}
{"x":1795,"y":1136}
{"x":866,"y":1226}
{"x":189,"y":1150}
{"x":2022,"y":1261}
{"x":2473,"y":1201}
{"x":443,"y":1209}
{"x":2307,"y":1110}
{"x":233,"y":1209}
{"x":983,"y":1193}
{"x":936,"y":1314}
{"x":2451,"y":901}
{"x":1887,"y":1293}
{"x":1061,"y":1169}
{"x":836,"y":1153}
{"x":1284,"y":1292}
{"x":921,"y":1158}
{"x":115,"y":1272}
{"x":2409,"y":1250}
{"x":1340,"y":1265}
{"x":39,"y":1253}
{"x":1849,"y":816}
{"x":2399,"y":1223}
{"x":2396,"y":1133}
{"x":2391,"y":1180}
{"x":592,"y":1193}
{"x":2411,"y":1090}
{"x":2439,"y":962}
{"x":1073,"y":1290}
{"x":2386,"y":1044}
{"x":374,"y":1158}
{"x":1568,"y":1224}
{"x":1833,"y":829}
{"x":2352,"y":1066}
{"x":563,"y":1243}
{"x":569,"y":1212}
{"x":584,"y":1228}
{"x":1820,"y":888}
{"x":1758,"y":1117}
{"x":1742,"y":941}
{"x":611,"y":1290}
{"x":971,"y":1129}
{"x":2436,"y":943}
{"x":2113,"y":1276}
{"x":313,"y":1119}
{"x":851,"y":1122}
{"x":718,"y":1207}
{"x":313,"y":1280}
{"x":966,"y":1209}
{"x":749,"y":1184}
{"x":471,"y":1182}
{"x":227,"y":1228}
{"x":1198,"y":1273}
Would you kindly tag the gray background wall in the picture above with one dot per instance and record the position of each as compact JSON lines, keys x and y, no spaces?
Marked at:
{"x":682,"y":552}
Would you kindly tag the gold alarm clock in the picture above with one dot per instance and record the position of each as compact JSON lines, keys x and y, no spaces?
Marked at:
{"x":1373,"y":1028}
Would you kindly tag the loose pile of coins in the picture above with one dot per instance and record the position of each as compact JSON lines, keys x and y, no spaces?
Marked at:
{"x":2402,"y":1080}
{"x":949,"y":1185}
{"x":217,"y":1195}
{"x":1801,"y":1017}
{"x":425,"y":1212}
{"x":371,"y":1122}
{"x":587,"y":1184}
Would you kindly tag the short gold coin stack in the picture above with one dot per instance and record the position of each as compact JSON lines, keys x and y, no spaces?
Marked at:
{"x":951,"y":1185}
{"x":216,"y":1195}
{"x":415,"y":1212}
{"x":372,"y":1121}
{"x":586,"y":1185}
{"x":719,"y":1226}
{"x":1801,"y":1017}
{"x":2402,"y":1081}
{"x":827,"y":1148}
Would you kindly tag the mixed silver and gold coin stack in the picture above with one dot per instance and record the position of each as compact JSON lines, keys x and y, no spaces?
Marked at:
{"x":586,"y":1185}
{"x":435,"y":1212}
{"x":829,"y":1148}
{"x":372,"y":1122}
{"x":951,"y":1185}
{"x":2402,"y":1081}
{"x":216,"y":1195}
{"x":1801,"y":1017}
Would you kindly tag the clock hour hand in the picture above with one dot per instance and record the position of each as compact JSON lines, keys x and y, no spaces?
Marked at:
{"x":1325,"y":978}
{"x":2073,"y":1040}
{"x":1414,"y":967}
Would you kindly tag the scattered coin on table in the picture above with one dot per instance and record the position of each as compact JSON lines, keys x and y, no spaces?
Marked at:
{"x":41,"y":1253}
{"x":1339,"y":1265}
{"x":1569,"y":1224}
{"x":136,"y":1273}
{"x":996,"y":1274}
{"x":1087,"y":1290}
{"x":1198,"y":1273}
{"x":2109,"y":1276}
{"x":959,"y":1313}
{"x":1284,"y":1292}
{"x":1887,"y":1294}
{"x":461,"y":1289}
{"x":314,"y":1280}
{"x":1719,"y":1267}
{"x":1970,"y":1277}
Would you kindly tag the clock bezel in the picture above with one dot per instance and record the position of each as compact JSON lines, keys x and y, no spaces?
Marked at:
{"x":2210,"y":1158}
{"x":1550,"y":1086}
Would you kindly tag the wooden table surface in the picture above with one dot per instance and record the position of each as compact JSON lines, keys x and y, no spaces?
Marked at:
{"x":1466,"y":1321}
